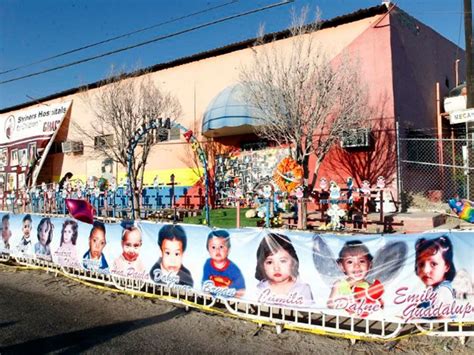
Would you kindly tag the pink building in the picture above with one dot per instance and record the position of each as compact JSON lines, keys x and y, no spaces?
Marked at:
{"x":401,"y":60}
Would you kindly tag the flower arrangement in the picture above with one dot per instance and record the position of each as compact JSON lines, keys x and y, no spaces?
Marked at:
{"x":288,"y":175}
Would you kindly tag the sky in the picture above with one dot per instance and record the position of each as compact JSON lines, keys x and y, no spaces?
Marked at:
{"x":32,"y":30}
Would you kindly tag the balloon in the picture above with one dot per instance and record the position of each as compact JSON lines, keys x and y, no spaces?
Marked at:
{"x":80,"y":210}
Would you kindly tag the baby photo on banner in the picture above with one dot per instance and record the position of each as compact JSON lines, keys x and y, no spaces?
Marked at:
{"x":399,"y":277}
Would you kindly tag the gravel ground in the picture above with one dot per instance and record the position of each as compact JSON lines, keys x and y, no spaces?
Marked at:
{"x":42,"y":313}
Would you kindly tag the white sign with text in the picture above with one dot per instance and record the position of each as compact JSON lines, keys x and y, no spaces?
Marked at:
{"x":39,"y":122}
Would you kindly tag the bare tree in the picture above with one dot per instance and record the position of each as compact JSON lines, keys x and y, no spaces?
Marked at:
{"x":211,"y":149}
{"x":122,"y":105}
{"x":304,"y":99}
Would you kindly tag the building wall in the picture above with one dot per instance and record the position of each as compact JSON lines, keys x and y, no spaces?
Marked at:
{"x":421,"y":57}
{"x":373,"y":48}
{"x":195,"y":84}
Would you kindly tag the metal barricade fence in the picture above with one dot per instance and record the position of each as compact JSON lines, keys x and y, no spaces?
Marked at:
{"x":437,"y":168}
{"x":45,"y":199}
{"x":313,"y":321}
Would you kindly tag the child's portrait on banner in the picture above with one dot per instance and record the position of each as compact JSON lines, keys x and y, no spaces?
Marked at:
{"x":6,"y":232}
{"x":129,"y":263}
{"x":94,"y":259}
{"x":66,"y":254}
{"x":277,"y":272}
{"x":355,"y":261}
{"x":221,"y":276}
{"x":25,"y":247}
{"x":169,"y":268}
{"x":434,"y":266}
{"x":45,"y":237}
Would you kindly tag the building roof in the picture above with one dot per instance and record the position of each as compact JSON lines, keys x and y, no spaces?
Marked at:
{"x":334,"y":22}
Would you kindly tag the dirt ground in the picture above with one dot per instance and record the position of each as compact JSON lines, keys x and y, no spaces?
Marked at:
{"x":42,"y":313}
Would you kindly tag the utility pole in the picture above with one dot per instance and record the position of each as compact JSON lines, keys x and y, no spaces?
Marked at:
{"x":469,"y":55}
{"x":469,"y":88}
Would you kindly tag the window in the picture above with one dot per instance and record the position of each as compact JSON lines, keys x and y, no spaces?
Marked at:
{"x":56,"y":147}
{"x":174,"y":133}
{"x":254,"y":145}
{"x":356,"y":138}
{"x":164,"y":134}
{"x":146,"y":138}
{"x":107,"y":140}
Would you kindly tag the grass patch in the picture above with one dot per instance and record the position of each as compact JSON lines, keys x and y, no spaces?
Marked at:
{"x":224,"y":218}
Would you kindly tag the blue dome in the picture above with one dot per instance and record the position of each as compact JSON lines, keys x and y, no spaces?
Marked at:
{"x":229,"y":114}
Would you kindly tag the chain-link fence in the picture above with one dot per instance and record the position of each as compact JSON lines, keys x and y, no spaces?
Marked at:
{"x":438,"y":168}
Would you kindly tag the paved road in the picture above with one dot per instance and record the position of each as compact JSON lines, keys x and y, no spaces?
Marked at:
{"x":41,"y":313}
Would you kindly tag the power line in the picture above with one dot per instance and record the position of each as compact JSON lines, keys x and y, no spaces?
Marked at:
{"x":156,"y":39}
{"x":116,"y":37}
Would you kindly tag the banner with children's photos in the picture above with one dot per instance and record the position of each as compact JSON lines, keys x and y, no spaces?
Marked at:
{"x":399,"y":277}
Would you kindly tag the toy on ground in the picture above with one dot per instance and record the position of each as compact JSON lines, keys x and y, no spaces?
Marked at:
{"x":463,"y":208}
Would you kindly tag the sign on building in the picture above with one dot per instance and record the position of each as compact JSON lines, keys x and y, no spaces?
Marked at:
{"x":25,"y":139}
{"x":462,"y":116}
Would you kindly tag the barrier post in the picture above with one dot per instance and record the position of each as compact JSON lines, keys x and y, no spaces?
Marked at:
{"x":364,"y":211}
{"x":172,"y":190}
{"x":114,"y":203}
{"x":238,"y":214}
{"x":381,"y":205}
{"x":267,"y":212}
{"x":238,"y":195}
{"x":300,"y":213}
{"x":23,"y":198}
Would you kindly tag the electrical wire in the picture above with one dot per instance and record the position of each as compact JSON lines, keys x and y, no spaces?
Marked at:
{"x":156,"y":39}
{"x":116,"y":37}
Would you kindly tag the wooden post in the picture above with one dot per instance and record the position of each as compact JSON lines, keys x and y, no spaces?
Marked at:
{"x":156,"y":191}
{"x":238,"y":214}
{"x":300,"y":213}
{"x":267,"y":213}
{"x":321,"y":196}
{"x":440,"y":147}
{"x":172,"y":190}
{"x":381,"y":205}
{"x":364,"y":211}
{"x":23,"y":201}
{"x":106,"y":204}
{"x":453,"y":153}
{"x":45,"y":201}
